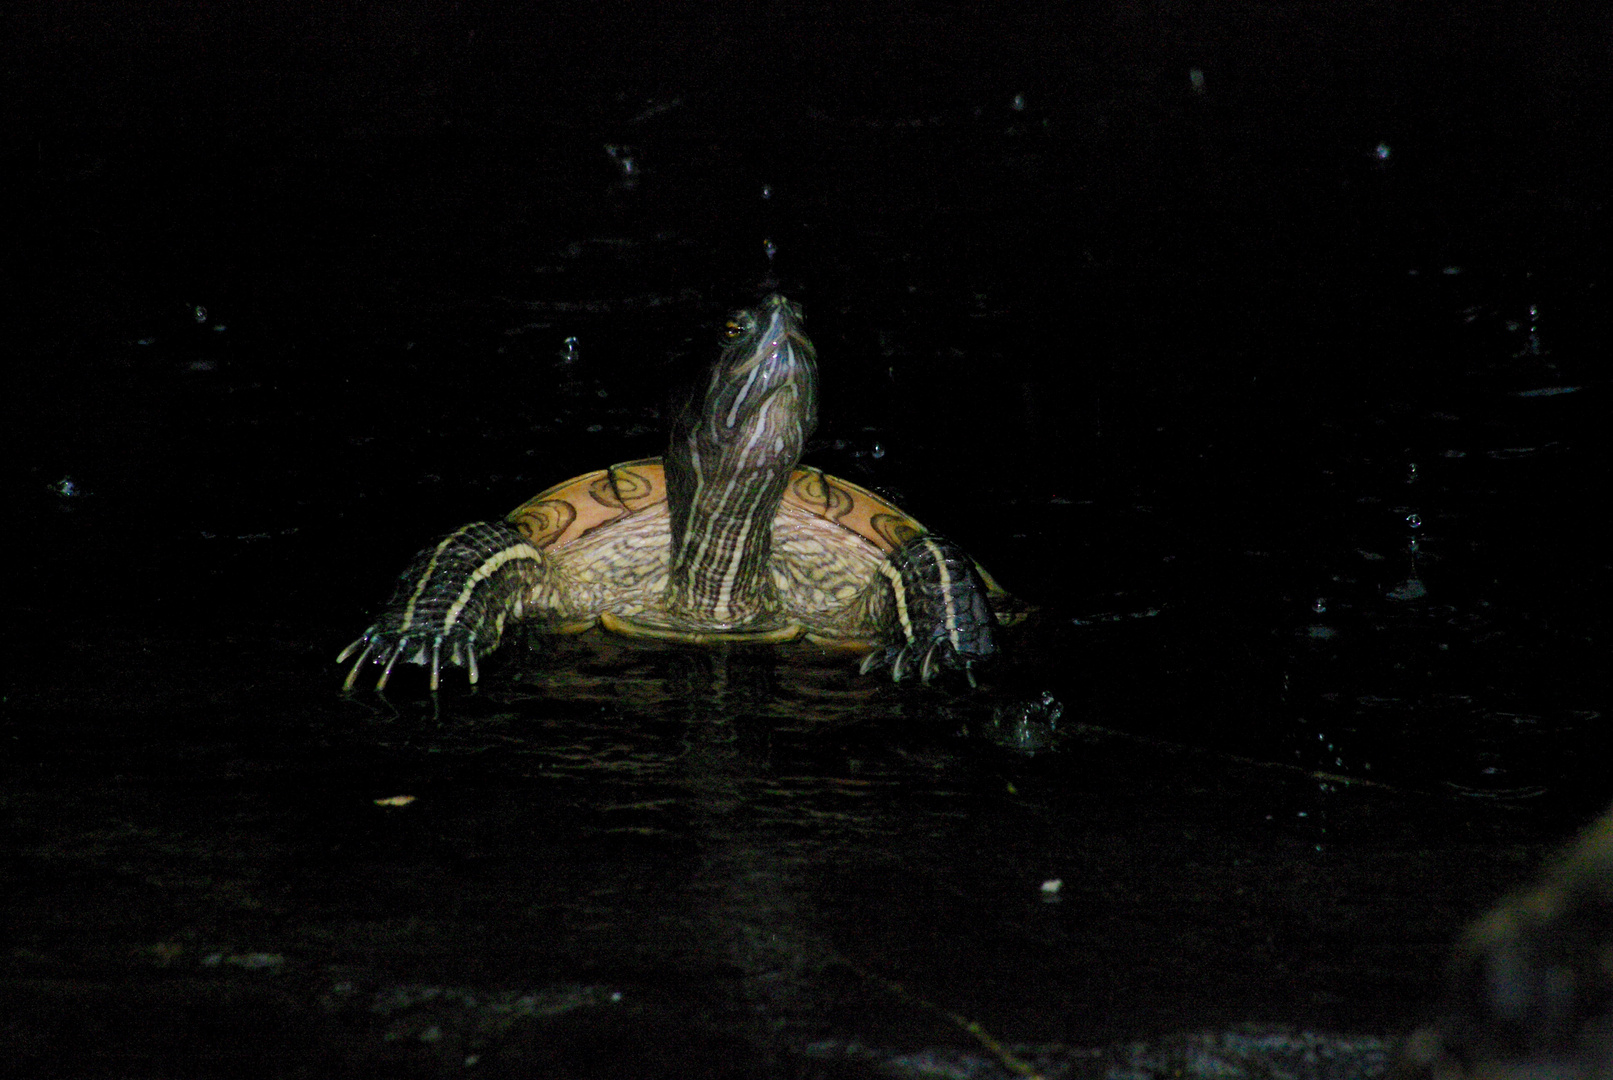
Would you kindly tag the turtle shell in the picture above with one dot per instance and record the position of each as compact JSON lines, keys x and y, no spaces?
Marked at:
{"x":567,"y":513}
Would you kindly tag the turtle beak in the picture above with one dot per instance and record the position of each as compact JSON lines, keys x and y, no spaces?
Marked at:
{"x":785,"y":340}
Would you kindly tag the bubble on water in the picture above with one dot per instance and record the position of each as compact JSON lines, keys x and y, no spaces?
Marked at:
{"x":1195,"y":79}
{"x":1414,"y":521}
{"x":199,"y":313}
{"x":1381,"y":151}
{"x":568,"y":350}
{"x":1027,"y":726}
{"x":767,"y":191}
{"x":1018,"y":104}
{"x":769,"y":248}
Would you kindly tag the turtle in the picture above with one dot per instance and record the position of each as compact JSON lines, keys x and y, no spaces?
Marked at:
{"x":726,"y":538}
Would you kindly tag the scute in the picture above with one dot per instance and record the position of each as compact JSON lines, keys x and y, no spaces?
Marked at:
{"x":572,"y":509}
{"x":853,"y":508}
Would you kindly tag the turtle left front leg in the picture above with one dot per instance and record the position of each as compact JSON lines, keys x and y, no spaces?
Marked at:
{"x":932,"y":604}
{"x":451,"y":603}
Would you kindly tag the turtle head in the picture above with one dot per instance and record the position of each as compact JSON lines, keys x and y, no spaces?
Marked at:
{"x":756,"y":406}
{"x":734,"y":445}
{"x":767,"y":375}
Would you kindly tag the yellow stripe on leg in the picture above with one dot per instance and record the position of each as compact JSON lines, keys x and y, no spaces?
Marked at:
{"x":425,"y":578}
{"x":490,"y":566}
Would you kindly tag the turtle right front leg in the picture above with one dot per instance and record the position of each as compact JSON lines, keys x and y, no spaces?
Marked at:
{"x":452,"y":601}
{"x":934,"y":611}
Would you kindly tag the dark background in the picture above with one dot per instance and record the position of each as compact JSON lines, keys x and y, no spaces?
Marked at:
{"x":1274,"y":386}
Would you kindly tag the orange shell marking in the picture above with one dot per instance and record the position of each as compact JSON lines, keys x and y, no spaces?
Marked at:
{"x":853,"y":508}
{"x":582,"y":504}
{"x":859,"y":510}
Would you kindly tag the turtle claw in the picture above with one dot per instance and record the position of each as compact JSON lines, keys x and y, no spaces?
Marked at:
{"x":930,"y":660}
{"x":386,"y":649}
{"x":364,"y":640}
{"x":386,"y":673}
{"x":939,"y":657}
{"x":352,"y":676}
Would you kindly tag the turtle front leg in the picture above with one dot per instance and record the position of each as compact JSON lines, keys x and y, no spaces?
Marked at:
{"x":452,"y":601}
{"x":932,"y":605}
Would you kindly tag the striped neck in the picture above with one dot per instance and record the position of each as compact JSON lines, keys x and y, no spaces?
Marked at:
{"x":733,"y":448}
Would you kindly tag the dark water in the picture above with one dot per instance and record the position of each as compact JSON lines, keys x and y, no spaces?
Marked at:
{"x":1256,"y":346}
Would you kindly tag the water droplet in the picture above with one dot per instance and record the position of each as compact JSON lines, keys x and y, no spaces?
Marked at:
{"x":878,"y":451}
{"x":1532,"y":343}
{"x":199,"y":313}
{"x":568,"y":350}
{"x":1195,"y":79}
{"x":1414,"y":521}
{"x":624,"y":158}
{"x":1319,"y":605}
{"x":1381,"y":151}
{"x":769,"y":248}
{"x":1018,"y":104}
{"x":767,"y":191}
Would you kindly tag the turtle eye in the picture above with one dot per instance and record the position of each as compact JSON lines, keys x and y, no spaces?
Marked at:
{"x":734,"y":328}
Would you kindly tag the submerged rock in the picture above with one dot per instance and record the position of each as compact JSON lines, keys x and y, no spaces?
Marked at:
{"x":1531,"y":985}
